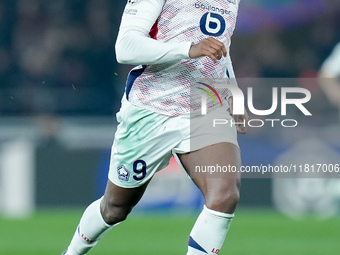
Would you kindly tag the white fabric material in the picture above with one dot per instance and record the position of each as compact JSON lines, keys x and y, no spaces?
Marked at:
{"x":168,"y":80}
{"x":90,"y":230}
{"x":220,"y":214}
{"x":149,"y":137}
{"x":209,"y":232}
{"x":134,"y":45}
{"x":331,"y":66}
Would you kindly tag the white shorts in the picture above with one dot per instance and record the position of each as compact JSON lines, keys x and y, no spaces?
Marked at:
{"x":145,"y":141}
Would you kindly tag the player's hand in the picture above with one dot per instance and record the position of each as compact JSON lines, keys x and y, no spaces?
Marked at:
{"x":209,"y":47}
{"x":241,"y":129}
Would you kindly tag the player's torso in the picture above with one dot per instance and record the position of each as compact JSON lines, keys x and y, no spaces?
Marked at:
{"x":191,"y":20}
{"x":165,"y":88}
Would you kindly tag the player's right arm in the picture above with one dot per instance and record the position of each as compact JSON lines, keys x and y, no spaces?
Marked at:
{"x":134,"y":45}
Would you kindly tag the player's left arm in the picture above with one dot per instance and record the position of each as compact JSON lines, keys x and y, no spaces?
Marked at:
{"x":210,"y":47}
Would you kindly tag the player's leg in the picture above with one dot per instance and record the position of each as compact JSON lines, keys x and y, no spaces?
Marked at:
{"x":102,"y":215}
{"x":221,"y":194}
{"x":118,"y":202}
{"x":136,"y":155}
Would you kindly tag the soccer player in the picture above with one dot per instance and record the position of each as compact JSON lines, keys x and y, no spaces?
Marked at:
{"x":176,"y":44}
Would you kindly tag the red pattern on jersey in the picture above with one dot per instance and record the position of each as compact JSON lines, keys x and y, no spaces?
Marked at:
{"x":154,"y":30}
{"x":171,"y":88}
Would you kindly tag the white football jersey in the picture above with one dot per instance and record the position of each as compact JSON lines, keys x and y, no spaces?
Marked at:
{"x":157,"y":35}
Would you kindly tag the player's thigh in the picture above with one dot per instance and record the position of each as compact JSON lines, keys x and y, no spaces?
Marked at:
{"x":142,"y":145}
{"x":219,"y":188}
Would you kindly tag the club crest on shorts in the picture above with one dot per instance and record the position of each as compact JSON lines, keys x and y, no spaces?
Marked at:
{"x":123,"y":173}
{"x":132,"y":1}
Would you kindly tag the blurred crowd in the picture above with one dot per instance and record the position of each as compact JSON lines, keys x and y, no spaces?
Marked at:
{"x":294,"y":51}
{"x":58,"y":56}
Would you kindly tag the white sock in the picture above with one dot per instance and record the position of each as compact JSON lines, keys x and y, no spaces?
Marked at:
{"x":209,"y":232}
{"x":90,"y":230}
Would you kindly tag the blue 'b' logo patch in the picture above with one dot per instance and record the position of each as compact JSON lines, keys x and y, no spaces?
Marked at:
{"x":212,"y":24}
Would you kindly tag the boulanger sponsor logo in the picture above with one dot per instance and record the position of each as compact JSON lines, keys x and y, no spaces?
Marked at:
{"x":213,"y":8}
{"x":289,"y":96}
{"x":212,"y":24}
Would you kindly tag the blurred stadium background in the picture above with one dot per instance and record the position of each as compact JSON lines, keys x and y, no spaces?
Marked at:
{"x":60,"y":87}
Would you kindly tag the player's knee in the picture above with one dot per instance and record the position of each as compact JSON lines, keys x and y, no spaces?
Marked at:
{"x":224,"y":201}
{"x":233,"y":197}
{"x":113,"y":213}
